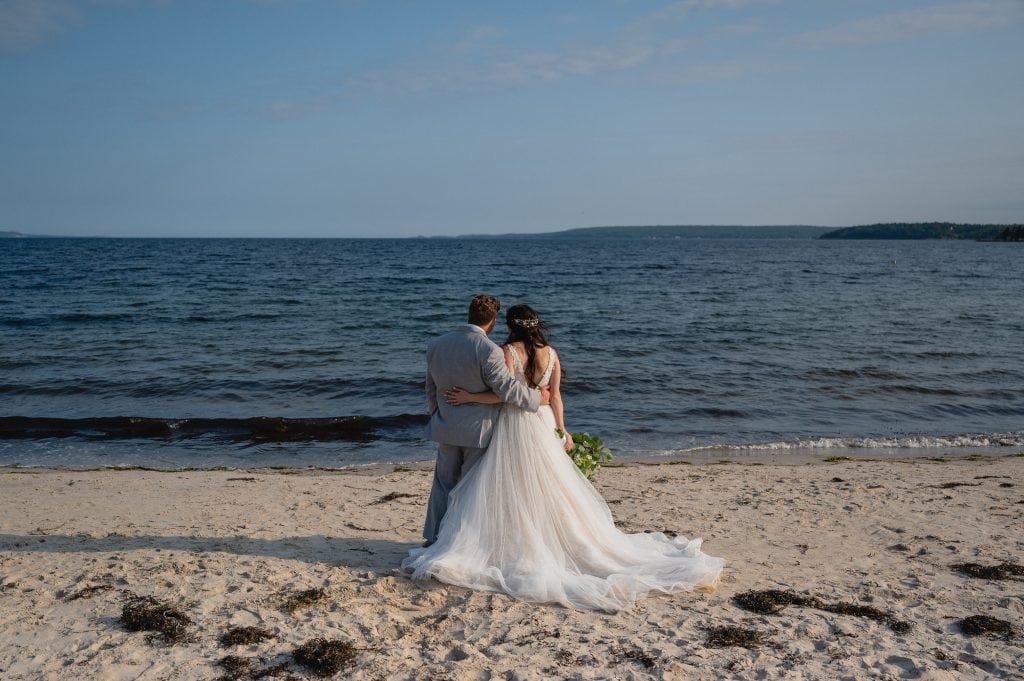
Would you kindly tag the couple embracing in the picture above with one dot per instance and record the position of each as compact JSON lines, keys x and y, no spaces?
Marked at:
{"x":509,"y":511}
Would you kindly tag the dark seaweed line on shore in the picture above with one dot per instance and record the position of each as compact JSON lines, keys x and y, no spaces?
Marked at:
{"x":257,"y":429}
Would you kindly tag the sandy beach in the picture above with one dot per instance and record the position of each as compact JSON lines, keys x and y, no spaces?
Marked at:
{"x":229,"y":548}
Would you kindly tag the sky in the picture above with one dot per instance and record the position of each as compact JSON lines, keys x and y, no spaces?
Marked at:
{"x":378,"y":118}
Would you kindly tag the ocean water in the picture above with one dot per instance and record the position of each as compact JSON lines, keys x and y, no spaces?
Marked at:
{"x":202,"y":353}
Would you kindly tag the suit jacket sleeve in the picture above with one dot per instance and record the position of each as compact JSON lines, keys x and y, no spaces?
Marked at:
{"x":497,"y":377}
{"x":431,"y":393}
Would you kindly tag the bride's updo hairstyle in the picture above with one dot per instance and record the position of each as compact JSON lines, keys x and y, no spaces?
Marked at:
{"x":526,"y":326}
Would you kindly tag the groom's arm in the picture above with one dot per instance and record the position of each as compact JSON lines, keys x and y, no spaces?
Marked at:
{"x":431,"y":393}
{"x":498,"y":378}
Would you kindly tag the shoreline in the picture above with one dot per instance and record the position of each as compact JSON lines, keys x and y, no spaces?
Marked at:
{"x":227,"y":547}
{"x":790,"y":457}
{"x":24,"y":449}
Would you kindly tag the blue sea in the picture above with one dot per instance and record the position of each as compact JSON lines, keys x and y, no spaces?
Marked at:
{"x":250,"y":353}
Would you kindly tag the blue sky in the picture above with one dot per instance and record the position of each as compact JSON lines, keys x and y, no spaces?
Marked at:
{"x":359,"y":118}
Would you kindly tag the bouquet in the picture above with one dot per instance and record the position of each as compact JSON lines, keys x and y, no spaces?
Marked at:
{"x":588,"y":452}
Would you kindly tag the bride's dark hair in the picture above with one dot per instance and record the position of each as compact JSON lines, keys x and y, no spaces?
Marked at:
{"x":526,"y":326}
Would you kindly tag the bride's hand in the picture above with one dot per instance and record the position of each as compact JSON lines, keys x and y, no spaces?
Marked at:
{"x":568,"y":442}
{"x":457,"y":396}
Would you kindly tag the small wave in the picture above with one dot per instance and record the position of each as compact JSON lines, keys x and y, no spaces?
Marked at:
{"x":978,"y":410}
{"x":93,"y":317}
{"x":252,"y":316}
{"x":18,"y":389}
{"x":23,"y":321}
{"x":975,"y":440}
{"x":1001,"y":374}
{"x":863,"y":372}
{"x":16,"y":364}
{"x":254,"y":429}
{"x":70,"y":318}
{"x":913,"y":389}
{"x":715,"y":412}
{"x":939,"y":354}
{"x":232,"y":390}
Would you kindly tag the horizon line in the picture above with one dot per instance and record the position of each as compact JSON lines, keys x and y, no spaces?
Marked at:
{"x":14,"y":234}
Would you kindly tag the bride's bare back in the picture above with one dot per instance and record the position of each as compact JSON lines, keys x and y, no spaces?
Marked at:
{"x":541,"y":372}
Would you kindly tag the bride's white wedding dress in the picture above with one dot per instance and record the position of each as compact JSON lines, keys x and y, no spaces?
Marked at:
{"x":526,"y":522}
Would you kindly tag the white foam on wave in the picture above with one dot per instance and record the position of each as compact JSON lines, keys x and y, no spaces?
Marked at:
{"x":967,"y":441}
{"x":899,"y":442}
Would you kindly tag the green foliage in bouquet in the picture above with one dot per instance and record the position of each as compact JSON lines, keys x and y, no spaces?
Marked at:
{"x":588,"y":453}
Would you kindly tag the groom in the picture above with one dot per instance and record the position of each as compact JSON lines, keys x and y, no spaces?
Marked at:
{"x":467,"y":358}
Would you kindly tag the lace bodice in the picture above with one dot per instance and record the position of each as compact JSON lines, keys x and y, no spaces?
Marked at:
{"x":520,"y":371}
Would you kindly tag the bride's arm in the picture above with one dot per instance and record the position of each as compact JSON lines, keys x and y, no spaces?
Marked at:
{"x":556,"y":401}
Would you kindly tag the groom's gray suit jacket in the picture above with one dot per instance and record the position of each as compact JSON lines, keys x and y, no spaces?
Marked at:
{"x":467,"y":358}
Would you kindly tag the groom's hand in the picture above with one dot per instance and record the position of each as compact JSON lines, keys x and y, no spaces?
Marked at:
{"x":545,"y":396}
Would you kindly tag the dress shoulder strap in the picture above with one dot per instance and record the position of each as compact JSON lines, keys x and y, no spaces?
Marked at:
{"x":517,"y":362}
{"x":551,"y":366}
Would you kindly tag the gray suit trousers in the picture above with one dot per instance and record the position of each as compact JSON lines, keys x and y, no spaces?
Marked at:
{"x":453,"y":462}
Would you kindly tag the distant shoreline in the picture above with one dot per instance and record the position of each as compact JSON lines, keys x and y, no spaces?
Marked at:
{"x":916,"y":231}
{"x":919,"y":231}
{"x":20,"y":235}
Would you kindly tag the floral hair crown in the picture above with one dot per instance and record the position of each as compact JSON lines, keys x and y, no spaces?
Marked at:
{"x":526,"y":323}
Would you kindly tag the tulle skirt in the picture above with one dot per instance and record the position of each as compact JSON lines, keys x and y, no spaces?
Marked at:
{"x":526,"y":522}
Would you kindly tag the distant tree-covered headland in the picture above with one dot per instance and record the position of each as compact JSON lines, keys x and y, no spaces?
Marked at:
{"x":927,"y":230}
{"x":672,"y":232}
{"x":889,"y":230}
{"x":1012,"y":233}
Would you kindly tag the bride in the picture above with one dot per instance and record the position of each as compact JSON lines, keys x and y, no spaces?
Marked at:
{"x":526,"y":522}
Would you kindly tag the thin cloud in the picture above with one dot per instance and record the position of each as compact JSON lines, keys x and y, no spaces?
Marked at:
{"x":27,"y":23}
{"x":650,"y":37}
{"x":516,"y":69}
{"x":675,"y":11}
{"x":477,"y":37}
{"x":959,"y":17}
{"x":713,"y":72}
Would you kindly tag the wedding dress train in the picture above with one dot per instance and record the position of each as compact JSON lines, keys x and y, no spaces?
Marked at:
{"x":526,"y":522}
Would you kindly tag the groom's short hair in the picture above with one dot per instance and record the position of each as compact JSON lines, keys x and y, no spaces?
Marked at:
{"x":483,"y":309}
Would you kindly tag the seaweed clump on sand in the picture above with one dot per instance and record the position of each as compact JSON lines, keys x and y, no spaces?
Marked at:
{"x":727,"y":636}
{"x":145,"y":613}
{"x":88,"y":592}
{"x":899,"y":626}
{"x":767,"y":602}
{"x":999,"y":571}
{"x":773,"y":601}
{"x":243,"y":636}
{"x":978,"y":625}
{"x":297,"y":600}
{"x":325,"y":657}
{"x":235,"y":667}
{"x":391,"y":497}
{"x":634,"y":654}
